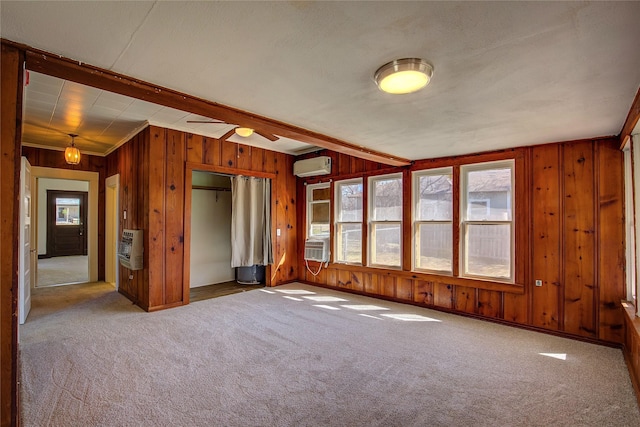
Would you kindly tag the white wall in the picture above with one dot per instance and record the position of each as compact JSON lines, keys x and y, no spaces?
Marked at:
{"x":210,"y":231}
{"x":43,"y":185}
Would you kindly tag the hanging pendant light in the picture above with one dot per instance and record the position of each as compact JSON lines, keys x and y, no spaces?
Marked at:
{"x":71,"y":153}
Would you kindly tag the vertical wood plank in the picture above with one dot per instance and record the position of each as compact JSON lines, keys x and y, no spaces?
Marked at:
{"x":611,"y":236}
{"x":443,"y":295}
{"x":194,"y":148}
{"x":11,"y":120}
{"x":465,"y":299}
{"x":145,"y":176}
{"x":404,"y":289}
{"x":331,"y":278}
{"x":244,"y":157}
{"x":212,"y":155}
{"x":515,"y":308}
{"x":423,"y":292}
{"x":279,"y":188}
{"x":546,"y":236}
{"x":229,"y":154}
{"x":270,"y":161}
{"x":344,"y":279}
{"x":156,"y":216}
{"x":371,"y":285}
{"x":291,"y":221}
{"x":579,"y":243}
{"x":357,"y":281}
{"x":388,"y":286}
{"x":257,"y":159}
{"x":344,"y":164}
{"x":174,"y":215}
{"x":357,"y":165}
{"x":490,"y":303}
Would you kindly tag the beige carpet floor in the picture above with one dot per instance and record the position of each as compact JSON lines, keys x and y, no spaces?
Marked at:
{"x":297,"y":355}
{"x":62,"y":270}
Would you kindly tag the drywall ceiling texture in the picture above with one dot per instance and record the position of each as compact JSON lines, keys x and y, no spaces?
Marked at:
{"x":506,"y":73}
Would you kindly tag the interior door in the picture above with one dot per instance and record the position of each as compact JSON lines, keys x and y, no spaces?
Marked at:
{"x":66,"y":223}
{"x":24,"y":263}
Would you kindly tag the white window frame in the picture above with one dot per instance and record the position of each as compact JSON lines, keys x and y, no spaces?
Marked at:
{"x":338,"y":222}
{"x":371,"y":223}
{"x":415,"y":194}
{"x":311,"y":202}
{"x":464,"y":224}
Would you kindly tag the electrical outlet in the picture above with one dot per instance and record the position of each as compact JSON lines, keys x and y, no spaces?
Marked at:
{"x":538,"y":282}
{"x":278,"y":232}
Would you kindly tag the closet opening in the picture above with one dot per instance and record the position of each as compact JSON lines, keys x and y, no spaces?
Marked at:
{"x":211,"y":274}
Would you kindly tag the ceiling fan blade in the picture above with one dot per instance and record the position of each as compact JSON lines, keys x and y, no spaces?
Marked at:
{"x":205,"y":121}
{"x":268,"y":136}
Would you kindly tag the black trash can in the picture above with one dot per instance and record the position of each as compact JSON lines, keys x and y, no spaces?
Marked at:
{"x":251,"y":275}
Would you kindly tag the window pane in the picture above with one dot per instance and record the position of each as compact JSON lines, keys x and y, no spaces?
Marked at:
{"x":489,"y":195}
{"x":387,"y":199}
{"x":385,"y":245}
{"x":67,"y":211}
{"x":349,"y":243}
{"x":350,"y":202}
{"x":488,"y":250}
{"x":434,"y":198}
{"x":320,"y":193}
{"x":319,"y":230}
{"x":320,"y":212}
{"x":434,"y":245}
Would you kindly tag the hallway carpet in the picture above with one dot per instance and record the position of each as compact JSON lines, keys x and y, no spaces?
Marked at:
{"x":62,"y":270}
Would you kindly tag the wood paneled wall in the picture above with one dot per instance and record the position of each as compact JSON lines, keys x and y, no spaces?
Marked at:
{"x":131,"y":161}
{"x":210,"y":154}
{"x":153,"y":191}
{"x":11,"y":119}
{"x":55,"y":159}
{"x":572,"y":229}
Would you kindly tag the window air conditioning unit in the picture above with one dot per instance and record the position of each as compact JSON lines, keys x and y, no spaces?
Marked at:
{"x":316,"y":249}
{"x":313,"y":166}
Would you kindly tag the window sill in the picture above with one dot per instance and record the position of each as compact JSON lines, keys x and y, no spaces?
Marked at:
{"x":512,"y":288}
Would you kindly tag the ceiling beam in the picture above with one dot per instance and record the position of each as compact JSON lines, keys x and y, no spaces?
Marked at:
{"x":631,"y":120}
{"x":68,"y":69}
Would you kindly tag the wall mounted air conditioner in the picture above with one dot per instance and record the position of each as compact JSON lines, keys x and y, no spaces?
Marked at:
{"x":316,"y":249}
{"x":312,"y":167}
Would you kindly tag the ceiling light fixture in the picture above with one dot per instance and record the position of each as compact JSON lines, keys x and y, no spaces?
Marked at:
{"x":244,"y":132}
{"x":402,"y":76}
{"x":71,"y":153}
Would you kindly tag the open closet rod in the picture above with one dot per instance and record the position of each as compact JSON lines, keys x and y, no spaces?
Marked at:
{"x":205,"y":187}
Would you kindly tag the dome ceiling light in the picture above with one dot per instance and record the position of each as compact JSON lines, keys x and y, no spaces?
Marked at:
{"x":402,"y":76}
{"x":244,"y":132}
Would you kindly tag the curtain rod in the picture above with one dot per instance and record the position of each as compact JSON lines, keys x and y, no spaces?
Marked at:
{"x":204,"y":187}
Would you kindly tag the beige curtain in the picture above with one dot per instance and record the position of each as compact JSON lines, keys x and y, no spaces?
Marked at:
{"x":250,"y":221}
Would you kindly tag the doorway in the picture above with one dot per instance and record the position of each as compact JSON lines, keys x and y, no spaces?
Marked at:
{"x":66,"y":223}
{"x":74,"y":268}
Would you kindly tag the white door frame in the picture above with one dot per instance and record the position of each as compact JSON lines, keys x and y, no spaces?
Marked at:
{"x":92,"y":236}
{"x":112,"y":230}
{"x":25,"y":240}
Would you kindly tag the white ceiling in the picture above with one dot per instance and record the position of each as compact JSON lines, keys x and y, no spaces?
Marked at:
{"x":506,"y":73}
{"x":103,"y":121}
